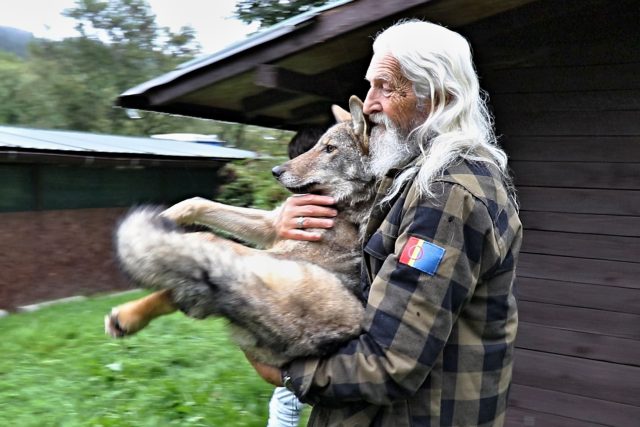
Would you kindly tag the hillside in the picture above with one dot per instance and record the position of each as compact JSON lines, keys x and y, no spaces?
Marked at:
{"x":15,"y":40}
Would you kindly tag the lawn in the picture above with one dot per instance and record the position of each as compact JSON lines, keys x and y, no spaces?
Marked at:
{"x":57,"y":368}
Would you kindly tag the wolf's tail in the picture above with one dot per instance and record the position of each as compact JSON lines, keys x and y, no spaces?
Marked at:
{"x":155,"y":253}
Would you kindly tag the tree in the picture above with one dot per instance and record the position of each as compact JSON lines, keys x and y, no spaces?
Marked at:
{"x":13,"y":78}
{"x":130,"y":23}
{"x":76,"y":80}
{"x":270,"y":12}
{"x":73,"y":83}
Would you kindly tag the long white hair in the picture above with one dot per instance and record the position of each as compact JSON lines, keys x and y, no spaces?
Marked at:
{"x":459,"y":125}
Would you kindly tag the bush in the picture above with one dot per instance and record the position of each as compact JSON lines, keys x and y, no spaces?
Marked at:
{"x":249,"y":183}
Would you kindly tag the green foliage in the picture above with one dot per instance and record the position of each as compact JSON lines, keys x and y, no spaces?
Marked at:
{"x":12,"y":82}
{"x":73,"y":83}
{"x":269,"y":12}
{"x":251,"y":184}
{"x":130,"y":24}
{"x":59,"y":369}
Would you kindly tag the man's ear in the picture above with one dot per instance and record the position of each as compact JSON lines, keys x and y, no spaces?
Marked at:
{"x":340,"y":114}
{"x":359,"y":121}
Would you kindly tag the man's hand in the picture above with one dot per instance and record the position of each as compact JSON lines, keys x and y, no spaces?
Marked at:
{"x":269,"y":373}
{"x":301,"y":212}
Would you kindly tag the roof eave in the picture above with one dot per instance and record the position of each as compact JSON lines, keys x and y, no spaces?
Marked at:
{"x":70,"y":158}
{"x":243,"y":56}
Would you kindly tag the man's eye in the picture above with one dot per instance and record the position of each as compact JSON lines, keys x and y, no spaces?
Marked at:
{"x":329,"y":148}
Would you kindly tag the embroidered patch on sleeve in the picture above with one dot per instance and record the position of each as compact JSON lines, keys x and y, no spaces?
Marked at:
{"x":420,"y":254}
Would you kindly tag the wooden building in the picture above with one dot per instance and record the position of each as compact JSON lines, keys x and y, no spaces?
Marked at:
{"x":564,"y":81}
{"x":62,"y":193}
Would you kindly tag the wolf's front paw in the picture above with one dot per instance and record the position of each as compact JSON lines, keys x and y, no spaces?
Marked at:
{"x":184,"y":212}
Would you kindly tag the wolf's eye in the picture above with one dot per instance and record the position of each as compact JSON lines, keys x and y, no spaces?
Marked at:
{"x":330,"y":148}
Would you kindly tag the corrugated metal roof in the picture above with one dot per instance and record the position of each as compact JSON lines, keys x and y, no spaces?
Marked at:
{"x":92,"y":143}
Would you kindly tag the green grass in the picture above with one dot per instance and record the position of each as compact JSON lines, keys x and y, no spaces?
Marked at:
{"x":57,"y":368}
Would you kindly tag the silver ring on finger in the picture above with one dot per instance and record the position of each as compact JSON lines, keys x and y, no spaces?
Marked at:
{"x":300,"y":222}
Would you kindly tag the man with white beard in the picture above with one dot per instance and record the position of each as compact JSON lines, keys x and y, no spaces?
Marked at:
{"x":439,"y":254}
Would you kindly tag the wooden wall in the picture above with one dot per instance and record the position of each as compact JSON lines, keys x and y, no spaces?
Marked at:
{"x":564,"y":79}
{"x":56,"y":254}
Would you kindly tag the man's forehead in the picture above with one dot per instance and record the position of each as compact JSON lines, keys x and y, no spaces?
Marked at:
{"x":383,"y":66}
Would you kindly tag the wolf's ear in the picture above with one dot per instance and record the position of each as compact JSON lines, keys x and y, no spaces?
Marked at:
{"x":359,"y":121}
{"x":340,"y":114}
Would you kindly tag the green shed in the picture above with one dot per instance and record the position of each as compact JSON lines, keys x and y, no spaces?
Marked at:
{"x":62,"y":193}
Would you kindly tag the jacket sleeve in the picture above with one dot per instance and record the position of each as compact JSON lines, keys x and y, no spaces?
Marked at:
{"x":412,"y":306}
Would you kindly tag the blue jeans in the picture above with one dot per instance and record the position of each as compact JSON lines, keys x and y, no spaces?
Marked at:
{"x":284,"y":409}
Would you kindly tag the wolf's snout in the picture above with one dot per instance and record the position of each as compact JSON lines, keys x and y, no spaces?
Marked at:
{"x":277,"y":171}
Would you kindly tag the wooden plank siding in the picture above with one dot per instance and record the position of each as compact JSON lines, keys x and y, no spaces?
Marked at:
{"x":564,"y":84}
{"x":576,"y":410}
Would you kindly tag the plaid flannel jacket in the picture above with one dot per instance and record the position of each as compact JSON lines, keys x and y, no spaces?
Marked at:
{"x":440,"y":322}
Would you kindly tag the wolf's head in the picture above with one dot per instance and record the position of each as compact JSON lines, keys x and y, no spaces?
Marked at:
{"x":337,"y":165}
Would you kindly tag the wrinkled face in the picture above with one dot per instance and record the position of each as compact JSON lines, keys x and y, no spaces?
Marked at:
{"x":392,"y":95}
{"x":393,"y":110}
{"x":335,"y":166}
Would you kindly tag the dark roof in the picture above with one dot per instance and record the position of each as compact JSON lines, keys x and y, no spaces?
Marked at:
{"x":289,"y":75}
{"x":16,"y":142}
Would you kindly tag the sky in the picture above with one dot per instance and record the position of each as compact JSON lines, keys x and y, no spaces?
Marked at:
{"x":212,"y":19}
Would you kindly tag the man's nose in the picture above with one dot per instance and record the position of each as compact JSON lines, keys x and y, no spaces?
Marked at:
{"x":371,"y":105}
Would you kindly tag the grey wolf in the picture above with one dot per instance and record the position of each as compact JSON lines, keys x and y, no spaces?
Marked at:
{"x":290,"y":300}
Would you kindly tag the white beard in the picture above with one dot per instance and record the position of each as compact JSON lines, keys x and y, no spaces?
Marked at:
{"x":388,"y":147}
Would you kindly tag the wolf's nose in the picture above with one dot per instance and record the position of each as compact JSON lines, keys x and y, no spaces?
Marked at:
{"x":277,"y":171}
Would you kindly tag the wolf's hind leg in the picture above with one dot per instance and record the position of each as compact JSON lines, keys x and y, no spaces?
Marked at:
{"x":292,"y":308}
{"x":129,"y":318}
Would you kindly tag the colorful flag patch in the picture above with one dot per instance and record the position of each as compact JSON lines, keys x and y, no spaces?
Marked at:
{"x":420,"y":254}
